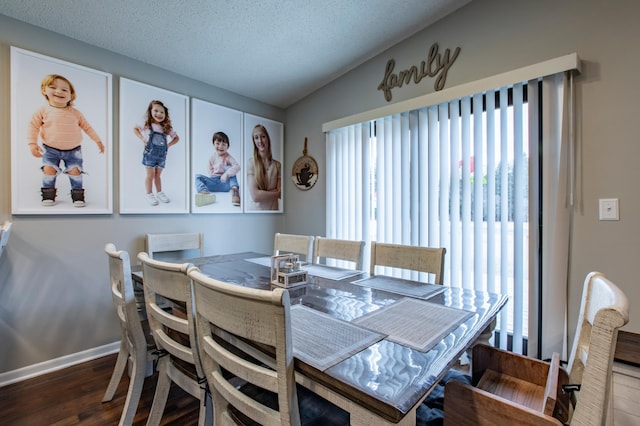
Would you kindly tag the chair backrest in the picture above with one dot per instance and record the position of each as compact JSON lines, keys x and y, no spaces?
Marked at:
{"x":296,"y":244}
{"x":329,"y":248}
{"x":4,"y":237}
{"x":156,"y":243}
{"x":257,"y":316}
{"x":603,"y":310}
{"x":169,"y":303}
{"x":124,"y":299}
{"x":415,"y":258}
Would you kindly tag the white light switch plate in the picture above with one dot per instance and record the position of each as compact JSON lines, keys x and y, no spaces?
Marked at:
{"x":609,"y":209}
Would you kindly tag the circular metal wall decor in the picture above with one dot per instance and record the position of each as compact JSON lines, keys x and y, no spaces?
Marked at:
{"x":305,"y":170}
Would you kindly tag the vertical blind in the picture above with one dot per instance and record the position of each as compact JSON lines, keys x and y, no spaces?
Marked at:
{"x":454,"y":175}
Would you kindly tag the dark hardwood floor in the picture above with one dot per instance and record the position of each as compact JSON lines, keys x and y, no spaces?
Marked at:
{"x":73,"y":396}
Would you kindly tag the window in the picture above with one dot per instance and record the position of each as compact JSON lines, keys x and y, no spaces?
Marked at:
{"x":452,"y":175}
{"x":421,"y":185}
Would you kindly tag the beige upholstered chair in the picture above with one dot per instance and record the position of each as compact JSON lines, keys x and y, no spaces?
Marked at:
{"x":4,"y":237}
{"x":329,"y":248}
{"x":173,"y":330}
{"x":136,"y":343}
{"x":414,"y":258}
{"x":296,"y":244}
{"x":156,"y":243}
{"x":604,"y":309}
{"x":232,"y":321}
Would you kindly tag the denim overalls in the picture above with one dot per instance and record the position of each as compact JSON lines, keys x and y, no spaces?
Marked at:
{"x":155,"y":152}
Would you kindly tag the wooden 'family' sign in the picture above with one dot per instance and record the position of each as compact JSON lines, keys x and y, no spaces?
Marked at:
{"x":437,"y":65}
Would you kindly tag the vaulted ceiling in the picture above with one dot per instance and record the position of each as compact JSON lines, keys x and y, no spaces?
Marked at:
{"x":274,"y":51}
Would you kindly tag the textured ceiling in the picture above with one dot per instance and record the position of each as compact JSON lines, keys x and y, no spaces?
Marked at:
{"x":275,"y":51}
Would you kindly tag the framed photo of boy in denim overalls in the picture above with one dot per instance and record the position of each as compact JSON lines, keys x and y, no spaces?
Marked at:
{"x":154,"y":149}
{"x":61,"y":153}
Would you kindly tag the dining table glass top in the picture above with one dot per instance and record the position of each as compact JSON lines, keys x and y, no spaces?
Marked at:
{"x":387,"y":377}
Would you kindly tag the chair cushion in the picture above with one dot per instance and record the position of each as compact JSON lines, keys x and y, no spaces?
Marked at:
{"x":431,"y":411}
{"x":314,"y":410}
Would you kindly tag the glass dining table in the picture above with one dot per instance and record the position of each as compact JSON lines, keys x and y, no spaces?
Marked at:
{"x":373,"y":345}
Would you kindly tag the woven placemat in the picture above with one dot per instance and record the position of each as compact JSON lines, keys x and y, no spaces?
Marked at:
{"x":330,"y":272}
{"x":323,"y":341}
{"x":415,"y":323}
{"x":400,"y":286}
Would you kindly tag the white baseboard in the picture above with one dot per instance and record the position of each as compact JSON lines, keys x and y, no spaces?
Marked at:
{"x":51,"y":365}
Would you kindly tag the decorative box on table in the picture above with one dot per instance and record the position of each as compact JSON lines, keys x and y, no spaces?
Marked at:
{"x":286,"y":271}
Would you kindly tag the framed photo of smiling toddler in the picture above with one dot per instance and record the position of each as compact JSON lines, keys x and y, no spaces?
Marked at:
{"x":61,"y":142}
{"x":154,"y":149}
{"x":263,"y":148}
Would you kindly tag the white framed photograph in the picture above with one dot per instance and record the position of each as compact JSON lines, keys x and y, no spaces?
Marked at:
{"x":154,"y":149}
{"x":216,"y":158}
{"x":263,"y":150}
{"x":61,"y":152}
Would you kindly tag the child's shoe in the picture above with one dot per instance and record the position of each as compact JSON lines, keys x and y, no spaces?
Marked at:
{"x":77,"y":196}
{"x":205,"y":198}
{"x":162,"y":197}
{"x":48,"y":196}
{"x":235,"y":196}
{"x":152,"y":199}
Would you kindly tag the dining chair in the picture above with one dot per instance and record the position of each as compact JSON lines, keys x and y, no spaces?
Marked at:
{"x":604,"y":309}
{"x":414,"y":258}
{"x":330,"y":248}
{"x":292,"y":243}
{"x":136,"y":343}
{"x":173,"y":330}
{"x":4,"y":237}
{"x":233,"y":323}
{"x":157,"y":243}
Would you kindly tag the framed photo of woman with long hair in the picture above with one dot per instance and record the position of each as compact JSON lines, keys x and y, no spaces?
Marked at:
{"x":263,"y":150}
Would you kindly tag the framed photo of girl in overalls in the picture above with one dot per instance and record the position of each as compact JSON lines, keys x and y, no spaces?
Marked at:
{"x":61,"y":154}
{"x":154,"y":149}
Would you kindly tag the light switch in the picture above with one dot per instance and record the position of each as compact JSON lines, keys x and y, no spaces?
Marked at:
{"x":609,"y":209}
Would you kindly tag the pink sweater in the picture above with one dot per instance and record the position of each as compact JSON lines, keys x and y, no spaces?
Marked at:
{"x":218,"y":164}
{"x":59,"y":128}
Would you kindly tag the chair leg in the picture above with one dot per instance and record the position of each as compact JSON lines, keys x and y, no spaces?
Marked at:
{"x":118,"y":370}
{"x":138,"y":373}
{"x":219,"y":410}
{"x":162,"y":392}
{"x":202,"y":414}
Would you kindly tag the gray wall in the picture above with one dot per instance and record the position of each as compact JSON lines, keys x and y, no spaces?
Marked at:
{"x":53,"y":295}
{"x":501,"y":35}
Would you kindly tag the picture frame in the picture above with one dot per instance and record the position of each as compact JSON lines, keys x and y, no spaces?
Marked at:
{"x":209,"y":193}
{"x":34,"y":118}
{"x":136,"y":99}
{"x":267,"y":196}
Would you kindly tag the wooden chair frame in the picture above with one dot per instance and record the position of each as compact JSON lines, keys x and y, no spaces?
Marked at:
{"x":259,"y":316}
{"x":135,"y":343}
{"x":296,"y":244}
{"x":604,"y":309}
{"x":329,"y":248}
{"x":173,"y":330}
{"x":156,"y":243}
{"x":415,"y":258}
